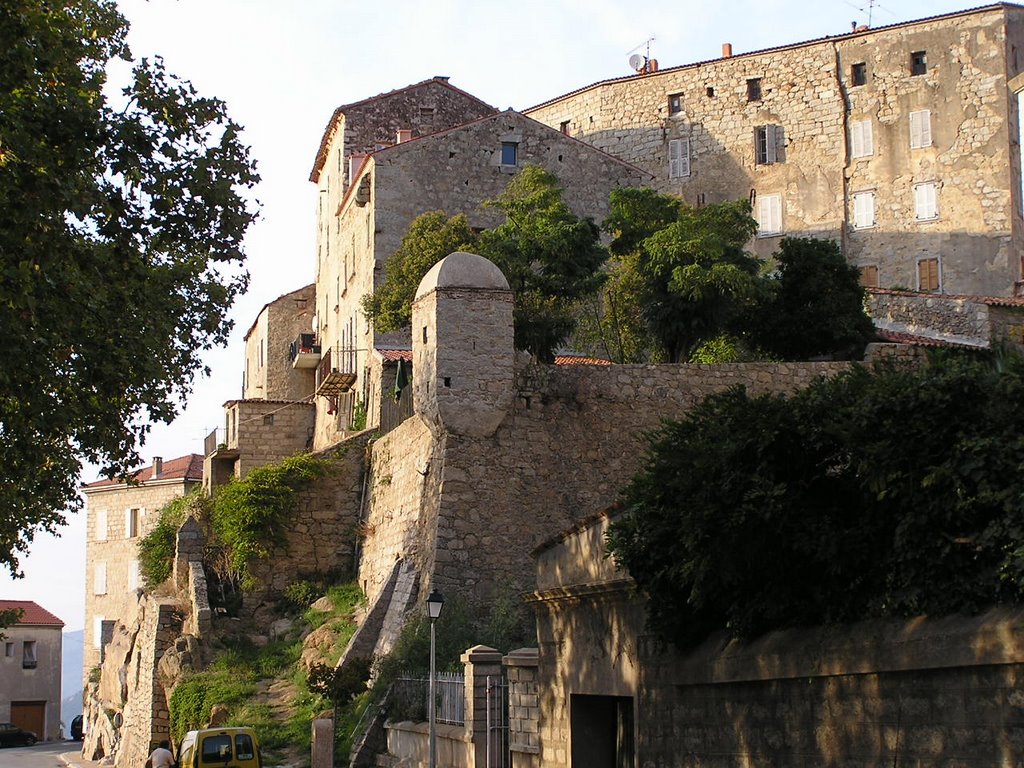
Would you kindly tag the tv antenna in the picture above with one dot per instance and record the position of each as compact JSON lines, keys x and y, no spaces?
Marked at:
{"x":641,"y":63}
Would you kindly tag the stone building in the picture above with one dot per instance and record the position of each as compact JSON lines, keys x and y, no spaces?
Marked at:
{"x":280,"y":352}
{"x":368,"y":204}
{"x":30,"y":670}
{"x":902,"y":143}
{"x":118,"y":515}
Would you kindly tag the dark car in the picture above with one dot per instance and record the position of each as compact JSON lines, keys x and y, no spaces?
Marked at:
{"x":13,"y":736}
{"x":76,"y":728}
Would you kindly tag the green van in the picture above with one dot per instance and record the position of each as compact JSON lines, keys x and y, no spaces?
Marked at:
{"x":220,"y":748}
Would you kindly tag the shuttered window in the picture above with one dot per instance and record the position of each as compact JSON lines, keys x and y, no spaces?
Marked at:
{"x":862,"y":143}
{"x":99,"y":578}
{"x":863,"y":210}
{"x":869,"y":276}
{"x":769,"y":215}
{"x":767,"y":139}
{"x":101,"y":525}
{"x":926,"y":205}
{"x":920,"y":129}
{"x":928,"y":274}
{"x":134,"y":571}
{"x":678,"y":158}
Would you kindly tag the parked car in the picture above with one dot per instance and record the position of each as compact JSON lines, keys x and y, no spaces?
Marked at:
{"x":13,"y":736}
{"x":219,"y":747}
{"x":76,"y":728}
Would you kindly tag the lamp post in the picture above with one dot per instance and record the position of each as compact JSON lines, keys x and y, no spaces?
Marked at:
{"x":435,"y":602}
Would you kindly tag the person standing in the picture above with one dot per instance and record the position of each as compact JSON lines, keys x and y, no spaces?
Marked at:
{"x":161,"y":757}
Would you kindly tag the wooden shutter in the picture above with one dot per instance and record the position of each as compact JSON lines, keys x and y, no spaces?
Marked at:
{"x":769,"y":217}
{"x":861,"y":139}
{"x":863,"y":210}
{"x":925,"y":202}
{"x":920,"y":129}
{"x":869,"y":276}
{"x":678,"y":158}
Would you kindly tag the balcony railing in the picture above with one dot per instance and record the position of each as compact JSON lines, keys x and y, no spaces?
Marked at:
{"x":336,"y":372}
{"x":304,"y":352}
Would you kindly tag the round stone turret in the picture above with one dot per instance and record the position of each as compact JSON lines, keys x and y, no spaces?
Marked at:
{"x":462,"y":346}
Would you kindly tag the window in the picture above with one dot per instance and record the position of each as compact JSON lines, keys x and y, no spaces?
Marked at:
{"x":678,"y":158}
{"x":754,"y":89}
{"x":863,"y":210}
{"x":564,"y":127}
{"x":9,"y":650}
{"x":509,"y":153}
{"x":99,"y":578}
{"x":861,"y":139}
{"x":97,"y":632}
{"x":769,"y":215}
{"x":268,"y":420}
{"x":427,"y":114}
{"x":767,"y":139}
{"x":710,"y":92}
{"x":918,"y":63}
{"x":28,"y":655}
{"x":134,"y":572}
{"x":929,"y":275}
{"x":859,"y":73}
{"x":920,"y":129}
{"x":131,"y":522}
{"x":926,"y":201}
{"x":101,"y":525}
{"x":675,"y":103}
{"x":869,"y":276}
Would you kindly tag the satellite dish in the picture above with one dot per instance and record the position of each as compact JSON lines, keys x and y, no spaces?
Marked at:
{"x":636,"y":61}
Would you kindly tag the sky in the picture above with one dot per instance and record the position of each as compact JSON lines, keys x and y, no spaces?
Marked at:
{"x":283,"y":67}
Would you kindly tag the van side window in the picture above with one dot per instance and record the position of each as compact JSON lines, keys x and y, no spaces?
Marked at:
{"x":243,"y":747}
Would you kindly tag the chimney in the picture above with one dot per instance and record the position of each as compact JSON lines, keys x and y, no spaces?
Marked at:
{"x":158,"y":467}
{"x":726,"y":50}
{"x":404,"y":134}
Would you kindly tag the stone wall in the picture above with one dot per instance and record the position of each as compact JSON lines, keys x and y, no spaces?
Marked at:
{"x":958,"y":319}
{"x":269,"y":374}
{"x":266,"y":431}
{"x":807,"y":90}
{"x":924,"y":692}
{"x":521,"y":674}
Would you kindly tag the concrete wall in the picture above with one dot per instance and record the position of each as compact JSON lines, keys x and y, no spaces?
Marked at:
{"x":41,"y":683}
{"x":807,"y":90}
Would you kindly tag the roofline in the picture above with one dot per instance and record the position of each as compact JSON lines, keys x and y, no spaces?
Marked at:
{"x":332,"y":124}
{"x":787,"y":47}
{"x":141,"y":484}
{"x":439,"y":134}
{"x":264,"y":307}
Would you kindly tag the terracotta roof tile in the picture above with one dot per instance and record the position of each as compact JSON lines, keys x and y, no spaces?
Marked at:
{"x":992,"y":301}
{"x":32,"y":614}
{"x":898,"y":337}
{"x":579,"y":360}
{"x":394,"y":355}
{"x":184,"y":468}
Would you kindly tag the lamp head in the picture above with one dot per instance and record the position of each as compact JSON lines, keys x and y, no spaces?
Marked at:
{"x":435,"y":602}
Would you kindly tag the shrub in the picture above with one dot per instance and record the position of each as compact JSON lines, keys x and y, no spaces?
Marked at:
{"x":156,"y":549}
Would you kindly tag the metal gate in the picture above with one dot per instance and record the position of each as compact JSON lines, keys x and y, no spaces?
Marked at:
{"x":497,"y":722}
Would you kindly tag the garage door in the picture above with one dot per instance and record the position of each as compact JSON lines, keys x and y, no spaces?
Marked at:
{"x":30,"y":715}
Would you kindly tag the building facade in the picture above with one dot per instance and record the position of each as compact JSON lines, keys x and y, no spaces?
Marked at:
{"x":118,"y":515}
{"x":30,"y":670}
{"x":902,"y":143}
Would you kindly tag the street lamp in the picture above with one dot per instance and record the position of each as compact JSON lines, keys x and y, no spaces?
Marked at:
{"x":435,"y":602}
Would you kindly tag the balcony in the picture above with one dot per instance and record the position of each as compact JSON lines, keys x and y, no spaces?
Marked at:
{"x":337,"y":372}
{"x":216,"y":443}
{"x":304,"y":352}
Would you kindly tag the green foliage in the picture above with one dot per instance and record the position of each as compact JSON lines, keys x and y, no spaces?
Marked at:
{"x":358,"y":423}
{"x":721,"y":349}
{"x":551,"y":258}
{"x":121,"y":223}
{"x":340,"y":685}
{"x":680,"y":277}
{"x":194,"y":697}
{"x":885,"y":492}
{"x":156,"y":549}
{"x":250,"y":516}
{"x":813,"y":306}
{"x":430,"y":238}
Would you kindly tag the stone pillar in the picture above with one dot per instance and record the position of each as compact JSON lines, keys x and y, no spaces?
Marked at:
{"x":188,"y":548}
{"x":523,"y":707}
{"x":322,"y":744}
{"x":481,"y":663}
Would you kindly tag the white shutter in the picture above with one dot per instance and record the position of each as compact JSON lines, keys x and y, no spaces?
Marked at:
{"x":133,"y":575}
{"x":678,"y":158}
{"x":769,"y":215}
{"x":771,"y":142}
{"x":920,"y":129}
{"x":925,"y":201}
{"x":101,"y":525}
{"x":863,"y":210}
{"x":99,"y":578}
{"x":861,"y":139}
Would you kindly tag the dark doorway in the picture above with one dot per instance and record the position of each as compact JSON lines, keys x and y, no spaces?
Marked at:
{"x":601,"y":731}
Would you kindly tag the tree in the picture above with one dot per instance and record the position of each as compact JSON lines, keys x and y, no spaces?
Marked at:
{"x":814,"y":304}
{"x":120,"y":252}
{"x":839,"y":503}
{"x":550,"y":257}
{"x":430,"y":238}
{"x":687,"y":269}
